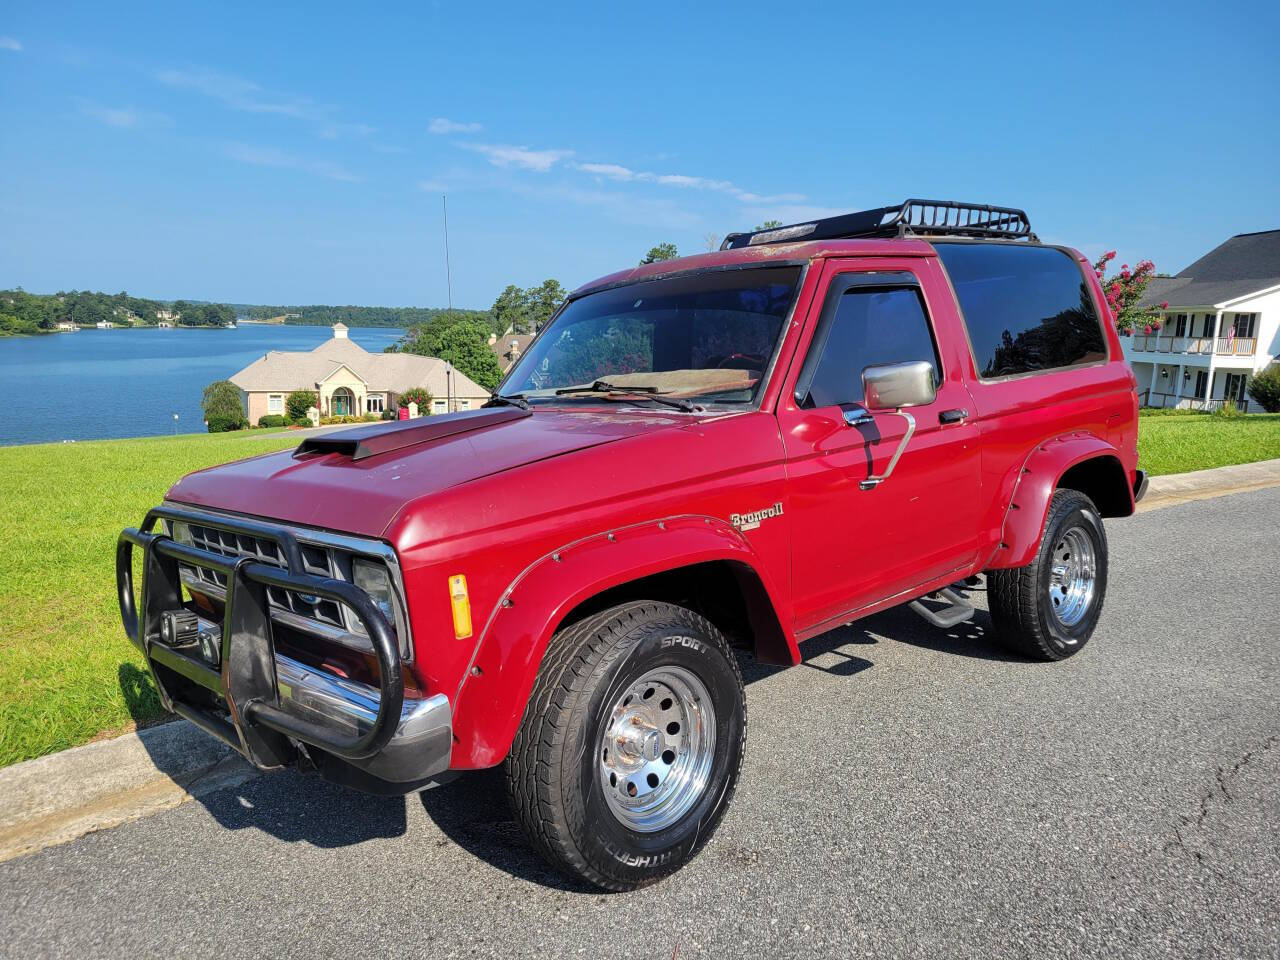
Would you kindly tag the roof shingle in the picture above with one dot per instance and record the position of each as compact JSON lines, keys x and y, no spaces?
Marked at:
{"x":1245,"y":264}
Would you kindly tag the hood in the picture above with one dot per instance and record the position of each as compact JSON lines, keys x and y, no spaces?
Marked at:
{"x":327,"y":486}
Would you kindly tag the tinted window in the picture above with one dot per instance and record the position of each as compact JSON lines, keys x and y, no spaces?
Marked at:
{"x":869,"y":326}
{"x":1027,"y":308}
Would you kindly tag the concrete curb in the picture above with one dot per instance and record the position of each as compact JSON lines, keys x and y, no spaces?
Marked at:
{"x":1176,"y":488}
{"x":55,"y":799}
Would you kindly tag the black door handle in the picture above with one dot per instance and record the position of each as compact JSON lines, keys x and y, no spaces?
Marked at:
{"x":953,"y":416}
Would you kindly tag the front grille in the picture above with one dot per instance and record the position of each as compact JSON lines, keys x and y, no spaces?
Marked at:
{"x":316,"y":559}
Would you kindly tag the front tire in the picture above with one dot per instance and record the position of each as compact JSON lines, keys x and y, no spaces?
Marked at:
{"x":1048,"y":609}
{"x":631,"y":744}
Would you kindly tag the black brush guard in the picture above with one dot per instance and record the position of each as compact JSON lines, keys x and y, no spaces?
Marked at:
{"x":259,"y":729}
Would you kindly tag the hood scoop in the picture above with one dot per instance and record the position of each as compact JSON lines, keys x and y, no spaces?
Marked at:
{"x":380,"y":438}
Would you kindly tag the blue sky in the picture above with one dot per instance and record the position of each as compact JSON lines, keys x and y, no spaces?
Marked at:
{"x":273,"y":154}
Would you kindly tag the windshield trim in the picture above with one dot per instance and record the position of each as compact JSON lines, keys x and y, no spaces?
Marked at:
{"x":770,"y":367}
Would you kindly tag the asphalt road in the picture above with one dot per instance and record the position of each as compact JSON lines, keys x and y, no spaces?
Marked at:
{"x":907,"y":792}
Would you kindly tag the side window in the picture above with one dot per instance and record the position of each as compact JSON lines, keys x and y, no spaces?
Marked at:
{"x":1026,"y":308}
{"x":865,"y":326}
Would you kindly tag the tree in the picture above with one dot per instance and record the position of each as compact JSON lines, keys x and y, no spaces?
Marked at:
{"x":511,"y":310}
{"x":769,"y":225}
{"x":1265,"y":388}
{"x":1124,"y":290}
{"x":464,"y":344}
{"x":544,"y":301}
{"x":663,"y":251}
{"x":711,"y":241}
{"x":299,"y":402}
{"x":221,"y":405}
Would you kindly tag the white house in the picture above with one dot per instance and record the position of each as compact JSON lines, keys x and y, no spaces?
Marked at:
{"x":1222,"y":326}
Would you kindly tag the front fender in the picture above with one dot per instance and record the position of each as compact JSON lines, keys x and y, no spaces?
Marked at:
{"x":492,"y":694}
{"x":1040,"y":475}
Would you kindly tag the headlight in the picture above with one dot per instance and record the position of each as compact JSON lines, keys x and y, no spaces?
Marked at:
{"x":373,"y":579}
{"x":180,"y":532}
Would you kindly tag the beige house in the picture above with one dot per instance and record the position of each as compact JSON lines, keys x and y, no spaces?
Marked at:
{"x":351,"y":381}
{"x":509,"y":347}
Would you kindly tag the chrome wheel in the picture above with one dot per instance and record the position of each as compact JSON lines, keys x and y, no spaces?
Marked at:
{"x":656,"y":751}
{"x":1073,"y":574}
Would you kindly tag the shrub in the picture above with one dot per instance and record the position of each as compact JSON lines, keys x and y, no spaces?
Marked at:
{"x":1228,"y":411}
{"x":1265,"y":388}
{"x":221,"y":402}
{"x":419,"y":395}
{"x":221,"y":424}
{"x":299,"y":402}
{"x":388,"y":415}
{"x":273,"y":420}
{"x":349,"y":418}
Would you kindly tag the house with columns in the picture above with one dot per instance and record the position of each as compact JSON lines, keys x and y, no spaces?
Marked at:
{"x":1221,"y":326}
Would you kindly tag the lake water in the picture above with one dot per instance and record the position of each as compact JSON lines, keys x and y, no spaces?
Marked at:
{"x":96,"y":384}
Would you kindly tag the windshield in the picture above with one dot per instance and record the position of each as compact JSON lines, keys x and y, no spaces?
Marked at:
{"x":707,"y":337}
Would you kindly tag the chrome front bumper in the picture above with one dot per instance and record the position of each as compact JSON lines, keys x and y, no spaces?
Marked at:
{"x":420,"y":745}
{"x":229,"y":679}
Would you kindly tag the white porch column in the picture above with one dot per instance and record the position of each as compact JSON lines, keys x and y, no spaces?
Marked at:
{"x":1213,"y":352}
{"x":1177,"y":389}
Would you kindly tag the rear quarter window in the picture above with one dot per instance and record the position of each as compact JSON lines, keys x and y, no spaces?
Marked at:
{"x":1026,"y":308}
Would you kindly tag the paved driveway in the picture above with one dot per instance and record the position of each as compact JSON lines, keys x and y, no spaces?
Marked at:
{"x":907,"y":792}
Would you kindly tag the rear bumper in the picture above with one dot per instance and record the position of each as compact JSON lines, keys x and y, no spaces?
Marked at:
{"x":231,"y":681}
{"x":1139,"y":485}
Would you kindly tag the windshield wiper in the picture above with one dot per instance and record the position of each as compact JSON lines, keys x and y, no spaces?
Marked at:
{"x":604,"y":386}
{"x":507,"y":400}
{"x":637,"y":393}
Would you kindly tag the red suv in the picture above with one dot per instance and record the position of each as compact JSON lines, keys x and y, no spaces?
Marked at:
{"x":740,"y":449}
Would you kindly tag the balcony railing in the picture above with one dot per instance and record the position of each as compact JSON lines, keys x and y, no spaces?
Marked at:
{"x":1222,"y":346}
{"x":1153,"y":398}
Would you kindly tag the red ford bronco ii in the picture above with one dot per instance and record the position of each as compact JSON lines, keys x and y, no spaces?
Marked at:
{"x":745,"y":448}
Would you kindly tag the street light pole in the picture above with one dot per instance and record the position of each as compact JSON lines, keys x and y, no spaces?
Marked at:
{"x":175,"y":424}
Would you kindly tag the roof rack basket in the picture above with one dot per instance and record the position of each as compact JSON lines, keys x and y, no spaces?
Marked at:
{"x":946,"y":218}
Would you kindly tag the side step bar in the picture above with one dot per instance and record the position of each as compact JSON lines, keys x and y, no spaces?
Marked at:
{"x":957,"y":610}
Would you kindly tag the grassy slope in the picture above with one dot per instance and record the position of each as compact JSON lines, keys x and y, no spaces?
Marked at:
{"x":67,"y":673}
{"x":1198,"y":441}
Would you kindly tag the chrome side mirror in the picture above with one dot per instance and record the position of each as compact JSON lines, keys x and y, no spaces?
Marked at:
{"x":892,"y":386}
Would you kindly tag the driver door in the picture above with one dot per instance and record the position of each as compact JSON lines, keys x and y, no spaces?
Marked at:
{"x":854,"y":547}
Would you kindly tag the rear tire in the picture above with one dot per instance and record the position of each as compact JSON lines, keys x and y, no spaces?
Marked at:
{"x":630,"y":746}
{"x":1048,"y":609}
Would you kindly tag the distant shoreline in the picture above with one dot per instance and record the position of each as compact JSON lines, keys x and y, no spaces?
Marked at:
{"x":192,"y":326}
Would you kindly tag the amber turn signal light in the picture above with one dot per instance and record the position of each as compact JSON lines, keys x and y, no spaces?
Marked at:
{"x":461,"y":604}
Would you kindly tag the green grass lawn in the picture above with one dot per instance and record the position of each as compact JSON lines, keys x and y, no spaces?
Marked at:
{"x":1198,"y":441}
{"x":67,"y":673}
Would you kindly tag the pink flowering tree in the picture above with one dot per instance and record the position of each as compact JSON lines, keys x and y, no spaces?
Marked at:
{"x":1123,"y":291}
